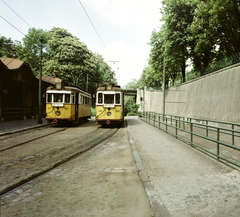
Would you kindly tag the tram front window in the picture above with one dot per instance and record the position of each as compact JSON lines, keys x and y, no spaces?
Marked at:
{"x":67,"y":98}
{"x":109,"y":98}
{"x":58,"y":97}
{"x":100,"y":98}
{"x":49,"y":97}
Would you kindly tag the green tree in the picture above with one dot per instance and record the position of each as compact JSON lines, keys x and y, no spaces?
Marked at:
{"x":6,"y":47}
{"x":69,"y":57}
{"x":216,"y":27}
{"x":74,"y":62}
{"x":133,"y":84}
{"x":29,"y":51}
{"x":130,"y":106}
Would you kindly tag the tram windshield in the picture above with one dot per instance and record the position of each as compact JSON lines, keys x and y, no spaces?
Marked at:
{"x":109,"y":98}
{"x":49,"y":97}
{"x":100,"y":98}
{"x":67,"y":98}
{"x":58,"y":97}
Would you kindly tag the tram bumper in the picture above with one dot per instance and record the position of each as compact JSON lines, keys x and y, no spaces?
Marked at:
{"x":55,"y":121}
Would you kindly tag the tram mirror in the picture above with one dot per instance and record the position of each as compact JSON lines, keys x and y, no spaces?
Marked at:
{"x":141,"y":99}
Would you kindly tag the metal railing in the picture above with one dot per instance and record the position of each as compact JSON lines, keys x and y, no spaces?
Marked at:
{"x":220,"y":139}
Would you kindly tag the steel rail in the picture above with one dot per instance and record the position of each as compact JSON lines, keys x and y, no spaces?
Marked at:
{"x":58,"y":165}
{"x":20,"y":159}
{"x":25,"y":142}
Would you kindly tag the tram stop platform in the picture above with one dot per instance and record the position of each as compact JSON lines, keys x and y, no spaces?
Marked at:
{"x":7,"y":127}
{"x":182,"y":181}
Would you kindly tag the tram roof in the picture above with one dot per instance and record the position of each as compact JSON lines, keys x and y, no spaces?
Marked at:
{"x":109,"y":87}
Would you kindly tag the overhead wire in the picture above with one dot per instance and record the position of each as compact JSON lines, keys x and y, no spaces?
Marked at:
{"x":20,"y":18}
{"x":34,"y":29}
{"x":12,"y":25}
{"x":94,"y":28}
{"x":16,"y":13}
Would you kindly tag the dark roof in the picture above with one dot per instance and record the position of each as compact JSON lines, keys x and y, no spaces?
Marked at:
{"x":50,"y":80}
{"x":12,"y":63}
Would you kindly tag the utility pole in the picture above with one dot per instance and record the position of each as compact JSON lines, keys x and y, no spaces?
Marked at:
{"x":163,"y":85}
{"x":40,"y":87}
{"x":87,"y":83}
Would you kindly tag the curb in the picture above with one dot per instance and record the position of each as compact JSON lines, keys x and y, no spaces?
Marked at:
{"x":158,"y":208}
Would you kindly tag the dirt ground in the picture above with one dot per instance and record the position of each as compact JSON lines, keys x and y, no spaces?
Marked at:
{"x":101,"y":182}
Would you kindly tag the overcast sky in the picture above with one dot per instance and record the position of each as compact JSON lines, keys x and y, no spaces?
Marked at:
{"x":124,"y":26}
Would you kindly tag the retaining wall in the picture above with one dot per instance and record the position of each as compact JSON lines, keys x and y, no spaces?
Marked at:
{"x":215,"y":96}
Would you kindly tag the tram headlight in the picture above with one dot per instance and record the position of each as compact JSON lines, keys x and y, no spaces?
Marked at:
{"x":57,"y":113}
{"x":109,"y":114}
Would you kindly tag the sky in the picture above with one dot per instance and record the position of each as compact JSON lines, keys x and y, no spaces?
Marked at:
{"x":124,"y":27}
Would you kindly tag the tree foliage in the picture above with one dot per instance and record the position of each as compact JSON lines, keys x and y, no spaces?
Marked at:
{"x":202,"y":31}
{"x":63,"y":54}
{"x":130,"y":106}
{"x":29,"y":50}
{"x":6,"y":47}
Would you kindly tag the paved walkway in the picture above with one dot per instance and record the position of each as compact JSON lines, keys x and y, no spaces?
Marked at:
{"x":183,"y":181}
{"x":10,"y":126}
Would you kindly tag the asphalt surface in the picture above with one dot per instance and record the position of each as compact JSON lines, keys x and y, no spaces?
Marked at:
{"x":180,"y":180}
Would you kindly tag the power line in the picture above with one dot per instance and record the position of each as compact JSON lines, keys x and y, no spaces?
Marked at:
{"x":17,"y":14}
{"x":10,"y":20}
{"x":94,"y":27}
{"x":12,"y":25}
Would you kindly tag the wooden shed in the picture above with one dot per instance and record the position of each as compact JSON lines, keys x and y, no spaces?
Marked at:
{"x":18,"y":90}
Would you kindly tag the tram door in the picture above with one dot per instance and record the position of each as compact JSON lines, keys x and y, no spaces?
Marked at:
{"x":76,"y":106}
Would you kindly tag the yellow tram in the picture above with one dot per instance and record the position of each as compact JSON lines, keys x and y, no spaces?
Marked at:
{"x":110,"y":104}
{"x":67,"y":104}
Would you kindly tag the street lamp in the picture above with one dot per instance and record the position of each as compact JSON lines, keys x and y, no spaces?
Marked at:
{"x":40,"y":87}
{"x":163,"y":85}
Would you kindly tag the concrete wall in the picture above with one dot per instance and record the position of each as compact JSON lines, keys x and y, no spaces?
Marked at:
{"x":215,"y":96}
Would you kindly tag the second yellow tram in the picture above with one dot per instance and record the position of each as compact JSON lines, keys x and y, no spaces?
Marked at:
{"x":110,"y":104}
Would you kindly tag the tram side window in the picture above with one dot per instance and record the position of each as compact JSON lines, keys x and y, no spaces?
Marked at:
{"x":49,"y":97}
{"x":118,"y":101}
{"x":67,"y":98}
{"x":58,"y":97}
{"x":80,"y":99}
{"x":100,"y":98}
{"x":109,"y":98}
{"x":86,"y":100}
{"x":72,"y":96}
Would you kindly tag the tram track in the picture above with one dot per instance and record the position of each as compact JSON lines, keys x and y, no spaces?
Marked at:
{"x":21,"y":171}
{"x":7,"y":144}
{"x":54,"y":147}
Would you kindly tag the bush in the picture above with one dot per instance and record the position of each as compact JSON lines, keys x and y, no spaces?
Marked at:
{"x":93,"y":111}
{"x":132,"y":114}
